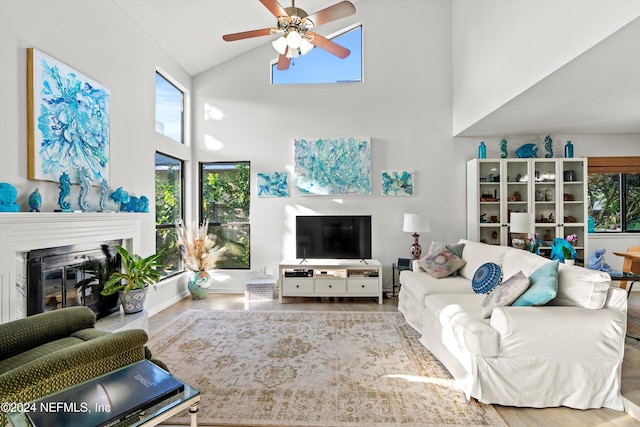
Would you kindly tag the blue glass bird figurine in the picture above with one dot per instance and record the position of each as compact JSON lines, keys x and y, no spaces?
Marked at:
{"x":35,"y":201}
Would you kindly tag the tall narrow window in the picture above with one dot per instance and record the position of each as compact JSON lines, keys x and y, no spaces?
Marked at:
{"x":319,"y":66}
{"x":169,"y":109}
{"x":225,"y":199}
{"x":169,"y":196}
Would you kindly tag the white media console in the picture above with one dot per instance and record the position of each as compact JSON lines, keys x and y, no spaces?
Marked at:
{"x":330,"y":278}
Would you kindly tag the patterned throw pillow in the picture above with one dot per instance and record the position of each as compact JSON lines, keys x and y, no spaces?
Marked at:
{"x":486,"y":277}
{"x":441,"y":262}
{"x":456,"y":248}
{"x":505,"y":293}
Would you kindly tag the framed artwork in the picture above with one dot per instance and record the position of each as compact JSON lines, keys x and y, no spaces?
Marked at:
{"x":333,"y":166}
{"x":68,"y":122}
{"x":273,"y":184}
{"x":397,"y":183}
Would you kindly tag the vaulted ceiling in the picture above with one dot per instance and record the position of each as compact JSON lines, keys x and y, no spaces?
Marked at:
{"x":597,"y":92}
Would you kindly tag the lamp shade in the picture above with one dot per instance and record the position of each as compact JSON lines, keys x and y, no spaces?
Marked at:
{"x":415,"y":222}
{"x":521,"y":222}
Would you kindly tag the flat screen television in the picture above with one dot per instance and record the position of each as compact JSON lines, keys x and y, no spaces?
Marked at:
{"x":329,"y":237}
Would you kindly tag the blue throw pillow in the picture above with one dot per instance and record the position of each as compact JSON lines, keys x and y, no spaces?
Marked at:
{"x":543,"y":286}
{"x":486,"y":277}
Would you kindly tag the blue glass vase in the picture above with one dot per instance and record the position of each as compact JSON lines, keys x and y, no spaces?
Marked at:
{"x":568,"y":150}
{"x":482,"y":151}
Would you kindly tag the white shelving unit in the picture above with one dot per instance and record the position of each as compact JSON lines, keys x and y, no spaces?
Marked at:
{"x":554,"y":189}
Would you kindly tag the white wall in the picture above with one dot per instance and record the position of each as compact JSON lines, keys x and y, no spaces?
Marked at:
{"x":502,"y":48}
{"x":99,"y":41}
{"x":404,"y":105}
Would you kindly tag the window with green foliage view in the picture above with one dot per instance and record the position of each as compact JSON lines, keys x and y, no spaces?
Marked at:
{"x":614,"y":201}
{"x":169,"y":185}
{"x":225,"y":199}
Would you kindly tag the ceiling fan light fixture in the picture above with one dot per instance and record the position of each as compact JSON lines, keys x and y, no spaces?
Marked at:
{"x":280,"y":45}
{"x":305,"y":47}
{"x":293,"y":53}
{"x":294,"y":39}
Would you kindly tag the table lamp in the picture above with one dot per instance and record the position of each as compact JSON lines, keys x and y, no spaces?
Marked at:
{"x":521,"y":223}
{"x":413,"y":223}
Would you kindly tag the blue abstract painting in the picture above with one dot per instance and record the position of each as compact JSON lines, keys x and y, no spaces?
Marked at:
{"x":333,"y":166}
{"x":397,"y":183}
{"x":273,"y":184}
{"x":68,"y":122}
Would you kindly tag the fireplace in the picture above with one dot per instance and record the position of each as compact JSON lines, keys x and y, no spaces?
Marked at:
{"x":72,"y":275}
{"x":25,"y":232}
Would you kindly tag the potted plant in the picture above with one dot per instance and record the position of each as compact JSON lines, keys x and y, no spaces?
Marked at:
{"x":199,"y":254}
{"x":133,"y":282}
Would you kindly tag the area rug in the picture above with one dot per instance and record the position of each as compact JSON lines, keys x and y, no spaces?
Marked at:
{"x":312,"y":369}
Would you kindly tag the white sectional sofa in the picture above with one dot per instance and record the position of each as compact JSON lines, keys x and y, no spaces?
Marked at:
{"x":568,"y":352}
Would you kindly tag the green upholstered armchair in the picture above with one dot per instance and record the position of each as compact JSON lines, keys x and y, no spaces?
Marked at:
{"x":48,"y":352}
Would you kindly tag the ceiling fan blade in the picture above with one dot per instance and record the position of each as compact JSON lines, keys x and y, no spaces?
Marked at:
{"x":274,"y":7}
{"x":283,"y":62}
{"x":248,"y":34}
{"x":326,"y":44}
{"x":331,"y":13}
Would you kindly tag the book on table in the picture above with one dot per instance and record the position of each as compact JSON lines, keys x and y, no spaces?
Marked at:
{"x":106,"y":400}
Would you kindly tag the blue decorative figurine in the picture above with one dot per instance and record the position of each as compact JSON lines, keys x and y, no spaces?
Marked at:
{"x":65,"y":190}
{"x":8,"y":196}
{"x":35,"y":201}
{"x":527,"y":151}
{"x":568,"y":150}
{"x":548,"y":145}
{"x":503,"y":148}
{"x":85,"y":186}
{"x":104,"y":193}
{"x":482,"y":151}
{"x":120,"y":196}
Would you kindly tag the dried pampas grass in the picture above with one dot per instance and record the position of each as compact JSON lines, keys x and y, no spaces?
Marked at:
{"x":197,"y":248}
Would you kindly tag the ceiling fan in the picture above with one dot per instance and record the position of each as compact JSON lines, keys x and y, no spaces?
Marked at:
{"x":294,"y":25}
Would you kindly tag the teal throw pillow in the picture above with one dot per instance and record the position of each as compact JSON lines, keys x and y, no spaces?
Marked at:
{"x":543,"y":287}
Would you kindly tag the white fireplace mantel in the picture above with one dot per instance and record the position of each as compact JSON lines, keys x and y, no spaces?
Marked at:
{"x":25,"y":231}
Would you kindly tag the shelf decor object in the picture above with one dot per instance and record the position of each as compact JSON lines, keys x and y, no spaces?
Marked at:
{"x":414,"y":223}
{"x":522,"y":225}
{"x":67,"y":121}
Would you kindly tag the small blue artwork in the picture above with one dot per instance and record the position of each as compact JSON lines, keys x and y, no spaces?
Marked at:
{"x":35,"y":201}
{"x":333,"y":166}
{"x":68,"y":124}
{"x":8,"y":196}
{"x":397,"y":183}
{"x":527,"y":151}
{"x":273,"y":184}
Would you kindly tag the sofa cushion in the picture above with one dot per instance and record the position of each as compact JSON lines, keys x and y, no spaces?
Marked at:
{"x":519,"y":260}
{"x":456,"y":248}
{"x":486,"y":278}
{"x":505,"y":293}
{"x":36,"y":353}
{"x":441,"y":262}
{"x":476,"y":254}
{"x":543,"y":286}
{"x":581,"y":287}
{"x":461,"y":319}
{"x":418,"y":284}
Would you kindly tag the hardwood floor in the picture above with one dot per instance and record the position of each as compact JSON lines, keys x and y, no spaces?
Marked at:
{"x":515,"y":417}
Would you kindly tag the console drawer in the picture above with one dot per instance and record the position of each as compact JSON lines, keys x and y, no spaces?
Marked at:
{"x":297,"y":285}
{"x":331,"y":286}
{"x":362,"y":286}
